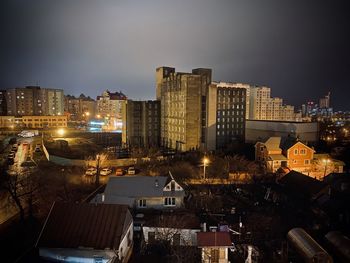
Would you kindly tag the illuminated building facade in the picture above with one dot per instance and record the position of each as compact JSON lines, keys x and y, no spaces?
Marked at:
{"x":80,"y":109}
{"x":143,"y":123}
{"x":112,"y":107}
{"x":33,"y":121}
{"x":226,"y":112}
{"x":263,"y":107}
{"x":33,"y":100}
{"x":183,"y":99}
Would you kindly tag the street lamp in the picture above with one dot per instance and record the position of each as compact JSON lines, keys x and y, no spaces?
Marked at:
{"x":61,"y":132}
{"x":205,"y":162}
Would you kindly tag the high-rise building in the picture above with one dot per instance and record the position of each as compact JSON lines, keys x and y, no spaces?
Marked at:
{"x":183,"y":107}
{"x":112,"y":108}
{"x":259,"y":100}
{"x":263,"y":107}
{"x":226,"y":111}
{"x":143,"y":123}
{"x":33,"y":100}
{"x":274,"y":109}
{"x":325,"y":102}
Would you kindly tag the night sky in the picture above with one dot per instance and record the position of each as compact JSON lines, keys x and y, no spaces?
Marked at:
{"x":299,"y":48}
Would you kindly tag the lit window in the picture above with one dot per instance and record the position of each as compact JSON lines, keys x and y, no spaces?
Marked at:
{"x":169,"y":201}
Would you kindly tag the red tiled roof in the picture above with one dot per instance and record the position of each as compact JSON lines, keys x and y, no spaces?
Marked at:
{"x":214,"y":239}
{"x":71,"y":225}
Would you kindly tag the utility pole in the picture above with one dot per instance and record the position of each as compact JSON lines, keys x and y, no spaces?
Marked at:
{"x":97,"y":179}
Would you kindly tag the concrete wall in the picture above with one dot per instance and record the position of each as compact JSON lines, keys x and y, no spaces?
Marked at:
{"x":262,"y":130}
{"x":188,"y":237}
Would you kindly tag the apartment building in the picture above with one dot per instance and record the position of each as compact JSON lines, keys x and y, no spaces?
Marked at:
{"x":79,"y":108}
{"x":259,"y":100}
{"x":183,"y":107}
{"x":143,"y":123}
{"x":33,"y":100}
{"x":226,"y":113}
{"x":111,"y":106}
{"x":263,"y":107}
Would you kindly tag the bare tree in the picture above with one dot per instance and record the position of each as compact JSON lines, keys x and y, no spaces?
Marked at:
{"x":172,"y":237}
{"x":22,"y":188}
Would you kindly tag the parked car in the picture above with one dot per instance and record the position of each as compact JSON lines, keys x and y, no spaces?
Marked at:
{"x":119,"y":172}
{"x":131,"y":170}
{"x":91,"y":171}
{"x":105,"y":171}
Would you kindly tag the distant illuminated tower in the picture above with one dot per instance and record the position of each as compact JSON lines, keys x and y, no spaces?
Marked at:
{"x":325,"y":102}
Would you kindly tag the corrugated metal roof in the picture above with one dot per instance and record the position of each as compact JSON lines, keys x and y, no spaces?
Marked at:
{"x":214,"y":239}
{"x":307,"y":247}
{"x":97,"y":226}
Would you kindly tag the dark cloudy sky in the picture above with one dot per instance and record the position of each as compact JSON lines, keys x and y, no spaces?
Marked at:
{"x":300,"y":48}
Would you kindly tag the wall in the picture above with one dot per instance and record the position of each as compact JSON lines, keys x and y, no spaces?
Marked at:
{"x":188,"y":237}
{"x":262,"y":130}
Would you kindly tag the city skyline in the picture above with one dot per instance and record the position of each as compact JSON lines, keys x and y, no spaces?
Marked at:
{"x":298,"y":49}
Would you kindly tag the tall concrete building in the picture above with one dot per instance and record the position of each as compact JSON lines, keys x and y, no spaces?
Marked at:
{"x":143,"y":123}
{"x":183,"y":107}
{"x":33,"y":100}
{"x":111,"y":106}
{"x":226,"y":114}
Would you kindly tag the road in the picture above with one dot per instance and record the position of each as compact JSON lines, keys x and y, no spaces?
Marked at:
{"x":23,"y":164}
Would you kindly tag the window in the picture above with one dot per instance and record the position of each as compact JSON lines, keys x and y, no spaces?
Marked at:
{"x":296,"y":151}
{"x":306,"y":162}
{"x":142,"y":203}
{"x":169,"y":201}
{"x":302,"y":151}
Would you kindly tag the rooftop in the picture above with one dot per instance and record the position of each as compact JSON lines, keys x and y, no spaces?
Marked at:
{"x":97,"y":226}
{"x":214,"y":239}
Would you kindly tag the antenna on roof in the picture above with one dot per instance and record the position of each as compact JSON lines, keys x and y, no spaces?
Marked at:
{"x":171,"y":176}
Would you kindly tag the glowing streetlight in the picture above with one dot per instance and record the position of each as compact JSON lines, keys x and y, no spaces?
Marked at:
{"x":61,"y":132}
{"x":205,"y":163}
{"x":87,"y":114}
